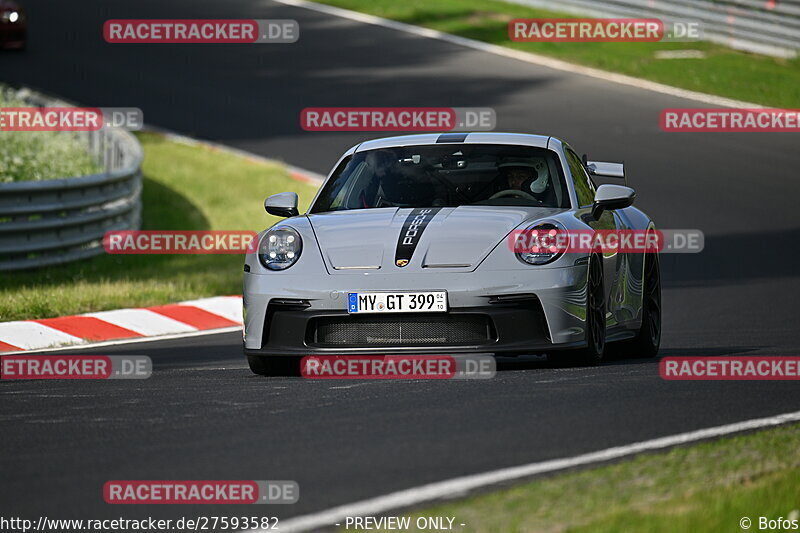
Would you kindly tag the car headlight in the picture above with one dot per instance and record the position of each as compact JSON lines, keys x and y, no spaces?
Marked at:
{"x":541,"y":243}
{"x":10,"y":16}
{"x":280,"y":248}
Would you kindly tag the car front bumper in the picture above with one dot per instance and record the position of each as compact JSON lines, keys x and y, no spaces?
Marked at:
{"x":521,"y":311}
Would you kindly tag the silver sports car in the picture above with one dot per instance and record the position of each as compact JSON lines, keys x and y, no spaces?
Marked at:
{"x":404,"y":250}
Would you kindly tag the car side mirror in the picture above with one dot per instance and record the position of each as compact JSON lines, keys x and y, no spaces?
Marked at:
{"x":283,"y":204}
{"x":611,"y":197}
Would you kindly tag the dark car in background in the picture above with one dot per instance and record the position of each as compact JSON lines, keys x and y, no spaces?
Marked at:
{"x":13,"y":25}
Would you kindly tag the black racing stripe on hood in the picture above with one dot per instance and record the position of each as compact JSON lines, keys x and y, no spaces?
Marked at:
{"x":414,"y":225}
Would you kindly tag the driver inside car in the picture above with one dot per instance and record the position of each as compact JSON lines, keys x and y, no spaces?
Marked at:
{"x":529,"y":176}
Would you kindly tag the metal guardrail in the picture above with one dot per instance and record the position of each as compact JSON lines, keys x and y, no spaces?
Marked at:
{"x":770,"y":27}
{"x":55,"y":221}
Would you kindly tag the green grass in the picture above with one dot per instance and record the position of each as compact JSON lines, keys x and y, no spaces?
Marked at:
{"x":706,"y":487}
{"x":40,"y":155}
{"x":185,"y":188}
{"x":725,"y":72}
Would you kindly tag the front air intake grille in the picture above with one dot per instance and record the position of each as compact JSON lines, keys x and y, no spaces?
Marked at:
{"x":408,"y":330}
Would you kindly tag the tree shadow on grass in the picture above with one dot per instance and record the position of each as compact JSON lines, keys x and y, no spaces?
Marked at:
{"x":164,"y":208}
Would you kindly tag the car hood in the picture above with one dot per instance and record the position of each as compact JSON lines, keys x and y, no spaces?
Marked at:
{"x":451,"y":238}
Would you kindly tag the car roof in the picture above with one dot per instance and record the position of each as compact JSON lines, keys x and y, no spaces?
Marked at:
{"x":539,"y":141}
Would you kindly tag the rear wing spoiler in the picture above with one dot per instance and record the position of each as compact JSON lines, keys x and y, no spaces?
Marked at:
{"x":607,"y":170}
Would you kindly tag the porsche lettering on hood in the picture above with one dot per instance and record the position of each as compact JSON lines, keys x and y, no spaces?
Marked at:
{"x":411,"y":233}
{"x":420,"y":238}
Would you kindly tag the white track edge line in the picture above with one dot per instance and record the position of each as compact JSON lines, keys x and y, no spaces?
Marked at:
{"x":461,"y":485}
{"x":133,"y":340}
{"x":528,"y":57}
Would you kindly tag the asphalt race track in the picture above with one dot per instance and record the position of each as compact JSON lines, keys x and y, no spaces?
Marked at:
{"x":203,"y":415}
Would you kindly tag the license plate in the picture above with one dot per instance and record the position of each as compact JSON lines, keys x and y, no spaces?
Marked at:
{"x":397,"y":302}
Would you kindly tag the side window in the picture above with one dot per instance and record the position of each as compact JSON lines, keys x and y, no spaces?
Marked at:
{"x":332,"y":194}
{"x":584,"y":188}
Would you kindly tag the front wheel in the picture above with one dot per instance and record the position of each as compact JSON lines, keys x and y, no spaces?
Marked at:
{"x":592,"y":354}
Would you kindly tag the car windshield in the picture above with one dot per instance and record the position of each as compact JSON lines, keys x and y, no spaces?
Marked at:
{"x":446,"y":175}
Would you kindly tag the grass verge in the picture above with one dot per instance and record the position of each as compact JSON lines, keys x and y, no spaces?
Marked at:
{"x":723,"y":71}
{"x":706,"y":487}
{"x":185,"y":188}
{"x":40,"y":155}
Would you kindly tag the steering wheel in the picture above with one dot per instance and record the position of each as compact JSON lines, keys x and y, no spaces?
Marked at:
{"x":513,"y":192}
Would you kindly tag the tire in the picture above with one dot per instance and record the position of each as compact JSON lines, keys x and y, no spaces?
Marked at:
{"x":273,"y":366}
{"x":648,"y":338}
{"x":592,"y":354}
